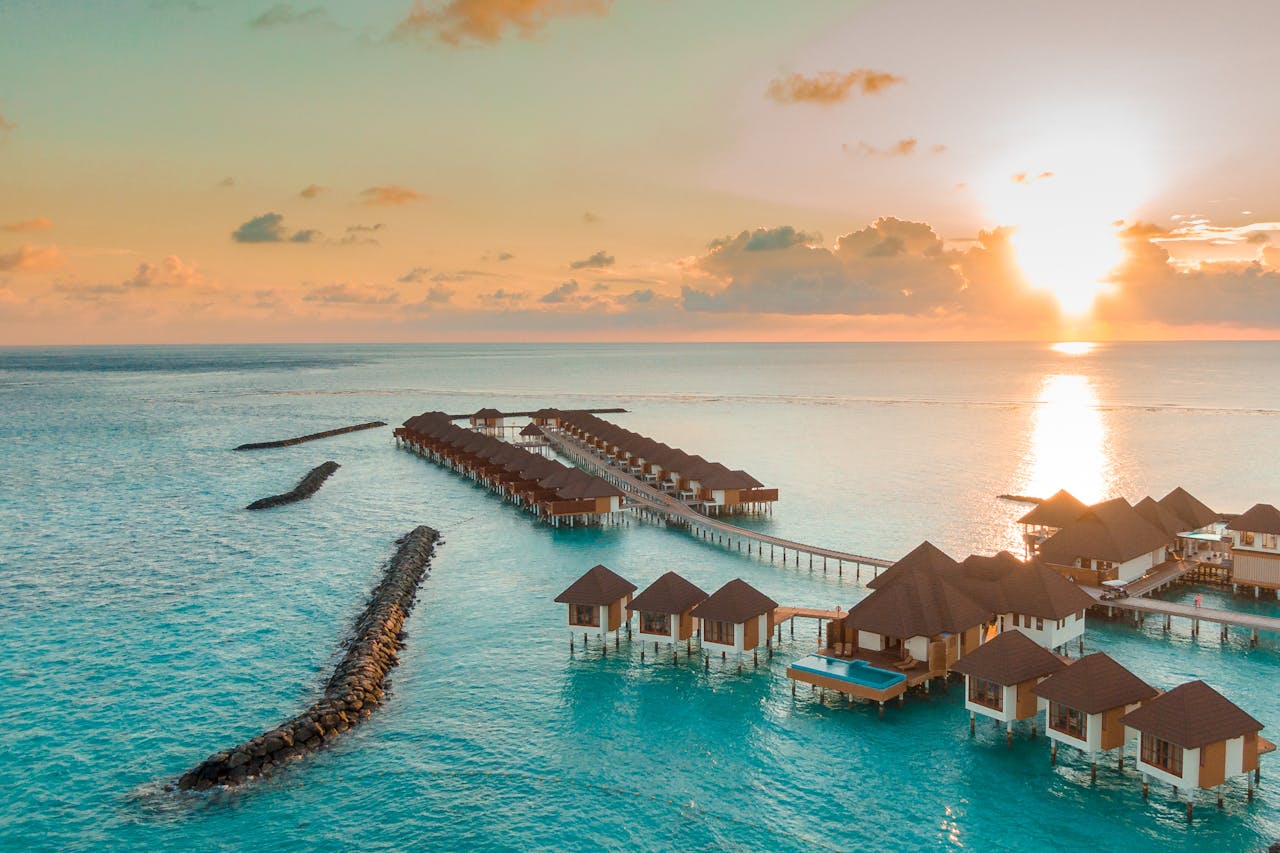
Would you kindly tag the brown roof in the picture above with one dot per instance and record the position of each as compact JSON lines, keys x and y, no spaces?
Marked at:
{"x":588,"y":487}
{"x":1009,"y":658}
{"x":1160,"y":516}
{"x":1005,"y":584}
{"x":1110,"y":530}
{"x":532,"y":429}
{"x":925,"y":557}
{"x":487,"y":413}
{"x":1192,"y":512}
{"x":919,"y":604}
{"x":737,"y":601}
{"x":1192,"y":715}
{"x":1057,"y":510}
{"x":1260,"y":518}
{"x":599,"y":586}
{"x":1093,"y":684}
{"x":668,"y":594}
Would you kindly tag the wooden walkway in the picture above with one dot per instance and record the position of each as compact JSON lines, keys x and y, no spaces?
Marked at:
{"x":1164,"y":574}
{"x":658,"y":504}
{"x":1169,"y":609}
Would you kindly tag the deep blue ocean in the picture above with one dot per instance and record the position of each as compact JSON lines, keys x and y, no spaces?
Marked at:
{"x":148,"y":620}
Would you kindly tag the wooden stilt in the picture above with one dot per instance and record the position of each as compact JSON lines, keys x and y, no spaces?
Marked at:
{"x":1053,"y":752}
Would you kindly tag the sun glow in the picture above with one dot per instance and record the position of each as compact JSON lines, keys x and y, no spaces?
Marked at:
{"x":1068,"y":441}
{"x":1073,"y":347}
{"x":1062,"y":196}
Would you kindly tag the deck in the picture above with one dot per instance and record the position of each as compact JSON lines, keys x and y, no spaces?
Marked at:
{"x":1170,"y":609}
{"x":1165,"y":573}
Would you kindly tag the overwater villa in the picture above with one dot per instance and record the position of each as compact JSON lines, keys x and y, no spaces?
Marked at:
{"x":736,"y":618}
{"x":1194,"y":737}
{"x":1048,"y":517}
{"x":598,"y":602}
{"x":666,"y":609}
{"x":555,"y":493}
{"x":488,"y":420}
{"x":1030,"y":598}
{"x":1000,"y":677}
{"x":1109,"y":542}
{"x":1087,"y":701}
{"x":913,"y":627}
{"x":712,"y":487}
{"x":1255,"y":548}
{"x":1202,"y":533}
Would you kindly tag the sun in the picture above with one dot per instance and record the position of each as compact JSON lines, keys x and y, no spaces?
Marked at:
{"x":1062,"y":197}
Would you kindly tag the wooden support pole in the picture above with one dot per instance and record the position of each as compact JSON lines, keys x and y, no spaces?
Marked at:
{"x":972,"y":724}
{"x":1053,"y":752}
{"x":1093,"y":772}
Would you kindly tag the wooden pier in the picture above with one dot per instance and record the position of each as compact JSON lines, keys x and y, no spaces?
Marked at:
{"x":650,"y":502}
{"x":1224,"y":619}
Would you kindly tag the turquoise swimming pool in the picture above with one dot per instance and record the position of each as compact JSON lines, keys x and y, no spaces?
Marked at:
{"x":854,"y":671}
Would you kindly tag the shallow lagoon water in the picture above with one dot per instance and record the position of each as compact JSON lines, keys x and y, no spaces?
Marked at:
{"x":149,"y":620}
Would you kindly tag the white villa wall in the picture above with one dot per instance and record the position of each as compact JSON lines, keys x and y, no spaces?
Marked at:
{"x":1139,"y":566}
{"x":1051,"y":636}
{"x":1005,"y":714}
{"x":869,"y":640}
{"x":738,"y":644}
{"x":671,"y":636}
{"x":918,"y":648}
{"x":1255,"y":566}
{"x":1190,"y":778}
{"x":1235,"y":757}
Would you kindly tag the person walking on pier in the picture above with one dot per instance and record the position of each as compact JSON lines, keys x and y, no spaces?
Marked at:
{"x":1198,"y":599}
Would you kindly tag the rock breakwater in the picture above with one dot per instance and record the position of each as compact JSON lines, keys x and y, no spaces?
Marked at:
{"x":307,"y":486}
{"x":357,"y":686}
{"x":289,"y":442}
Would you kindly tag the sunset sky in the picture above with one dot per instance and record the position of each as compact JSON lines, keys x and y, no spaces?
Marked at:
{"x":230,"y":171}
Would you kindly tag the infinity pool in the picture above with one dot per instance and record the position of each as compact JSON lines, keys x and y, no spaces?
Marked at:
{"x":854,"y":671}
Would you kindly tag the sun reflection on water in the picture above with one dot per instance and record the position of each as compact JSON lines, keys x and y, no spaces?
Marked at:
{"x":1068,"y":441}
{"x":1073,"y":347}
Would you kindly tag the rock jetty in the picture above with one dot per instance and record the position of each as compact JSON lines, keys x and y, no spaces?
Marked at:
{"x":302,"y":439}
{"x":306,"y":487}
{"x":357,"y":686}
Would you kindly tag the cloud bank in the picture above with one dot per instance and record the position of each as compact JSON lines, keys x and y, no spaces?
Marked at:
{"x":488,"y":21}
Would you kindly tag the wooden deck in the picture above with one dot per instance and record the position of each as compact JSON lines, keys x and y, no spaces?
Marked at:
{"x":785,"y":614}
{"x":659,"y":504}
{"x":1169,"y":609}
{"x":1163,"y":574}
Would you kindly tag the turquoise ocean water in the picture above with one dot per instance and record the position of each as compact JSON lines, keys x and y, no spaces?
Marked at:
{"x":148,"y":620}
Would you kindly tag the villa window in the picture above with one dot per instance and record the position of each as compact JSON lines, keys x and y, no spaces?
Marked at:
{"x":718,"y":632}
{"x":1039,"y":624}
{"x":988,"y":693}
{"x":586,"y":615}
{"x":655,"y":623}
{"x":1069,"y":721}
{"x":1160,"y":753}
{"x":1246,"y":538}
{"x":1269,"y":540}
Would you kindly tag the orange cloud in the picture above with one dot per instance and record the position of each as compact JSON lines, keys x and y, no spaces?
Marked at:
{"x":40,"y":223}
{"x":1150,"y":288}
{"x":891,"y":267}
{"x":489,"y":20}
{"x":31,"y":258}
{"x":1028,"y":178}
{"x":311,"y":191}
{"x":901,"y":148}
{"x":390,"y":195}
{"x":5,"y":127}
{"x":829,"y":87}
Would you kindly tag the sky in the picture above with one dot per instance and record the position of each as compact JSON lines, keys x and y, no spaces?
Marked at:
{"x":191,"y":171}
